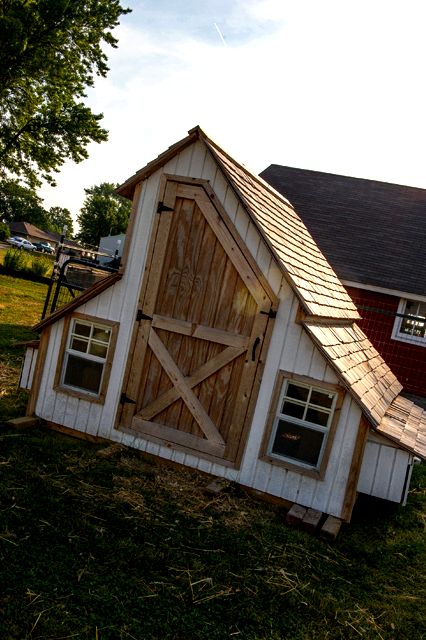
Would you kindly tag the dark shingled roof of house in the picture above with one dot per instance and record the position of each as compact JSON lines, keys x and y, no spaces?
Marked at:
{"x":371,"y":232}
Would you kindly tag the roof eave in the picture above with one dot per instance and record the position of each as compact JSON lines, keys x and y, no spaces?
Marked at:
{"x":127,"y":189}
{"x":87,"y":295}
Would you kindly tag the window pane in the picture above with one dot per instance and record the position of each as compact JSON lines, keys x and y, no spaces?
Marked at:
{"x":82,"y":329}
{"x":407,"y":326}
{"x":292,"y":409}
{"x":317,"y":417}
{"x":415,"y":326}
{"x":101,"y":334}
{"x":321,"y":398}
{"x":98,"y":350}
{"x":420,"y":329}
{"x":298,"y":443}
{"x":79,"y":345}
{"x":297,"y":392}
{"x":83,"y":374}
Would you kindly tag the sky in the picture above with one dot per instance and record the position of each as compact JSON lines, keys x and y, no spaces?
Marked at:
{"x":329,"y":85}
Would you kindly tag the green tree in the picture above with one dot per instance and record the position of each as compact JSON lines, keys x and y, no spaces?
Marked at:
{"x":4,"y":231}
{"x":104,"y":213}
{"x":57,"y":218}
{"x":18,"y":203}
{"x":50,"y":52}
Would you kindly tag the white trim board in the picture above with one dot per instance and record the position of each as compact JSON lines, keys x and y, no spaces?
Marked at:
{"x":389,"y":292}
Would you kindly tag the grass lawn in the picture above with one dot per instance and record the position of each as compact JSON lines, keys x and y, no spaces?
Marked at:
{"x":108,"y":547}
{"x":21,"y":304}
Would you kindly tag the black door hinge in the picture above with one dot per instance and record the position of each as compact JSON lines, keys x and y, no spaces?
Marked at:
{"x":124,"y":399}
{"x":271,"y":313}
{"x":142,"y":316}
{"x":163,"y":207}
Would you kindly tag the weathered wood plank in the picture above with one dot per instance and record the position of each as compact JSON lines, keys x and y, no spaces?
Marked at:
{"x":222,"y":337}
{"x":230,"y":246}
{"x":191,"y":401}
{"x":168,"y":435}
{"x":24,"y":422}
{"x":199,"y":331}
{"x":155,"y":259}
{"x":354,"y":472}
{"x":38,"y":371}
{"x":207,"y":369}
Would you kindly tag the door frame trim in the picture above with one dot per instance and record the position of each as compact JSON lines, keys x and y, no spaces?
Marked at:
{"x":141,"y":333}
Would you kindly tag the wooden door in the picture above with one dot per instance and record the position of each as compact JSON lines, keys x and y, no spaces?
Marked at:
{"x":195,"y":367}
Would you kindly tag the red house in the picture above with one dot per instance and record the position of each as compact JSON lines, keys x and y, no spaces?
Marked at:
{"x":374,"y":236}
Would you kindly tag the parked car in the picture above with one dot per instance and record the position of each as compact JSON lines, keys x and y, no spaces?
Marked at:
{"x":44,"y":247}
{"x":21,"y":243}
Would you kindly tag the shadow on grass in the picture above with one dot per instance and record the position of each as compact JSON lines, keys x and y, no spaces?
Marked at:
{"x":118,"y":547}
{"x":12,"y":399}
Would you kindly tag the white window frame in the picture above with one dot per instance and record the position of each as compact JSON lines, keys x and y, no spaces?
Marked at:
{"x":275,"y":415}
{"x":67,"y":350}
{"x":399,"y":322}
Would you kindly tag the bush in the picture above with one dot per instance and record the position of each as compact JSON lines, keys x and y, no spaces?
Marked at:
{"x":16,"y":260}
{"x":40,"y":265}
{"x":4,"y":231}
{"x":21,"y":262}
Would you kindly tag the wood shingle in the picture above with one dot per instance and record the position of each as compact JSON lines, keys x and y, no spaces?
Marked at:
{"x":331,"y":312}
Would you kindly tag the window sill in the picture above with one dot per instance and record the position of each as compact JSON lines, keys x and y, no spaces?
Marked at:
{"x":316,"y":474}
{"x":407,"y":339}
{"x":96,"y":399}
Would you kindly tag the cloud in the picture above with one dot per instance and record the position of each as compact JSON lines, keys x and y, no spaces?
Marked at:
{"x":324,"y":85}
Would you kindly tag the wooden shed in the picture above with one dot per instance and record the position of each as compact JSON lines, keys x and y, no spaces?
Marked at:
{"x":227,"y":343}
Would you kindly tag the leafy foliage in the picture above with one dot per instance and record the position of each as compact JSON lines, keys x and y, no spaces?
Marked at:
{"x":104,"y":213}
{"x":15,"y":260}
{"x":4,"y":231}
{"x":27,"y":263}
{"x":58,"y":217}
{"x":50,"y":52}
{"x":21,"y":203}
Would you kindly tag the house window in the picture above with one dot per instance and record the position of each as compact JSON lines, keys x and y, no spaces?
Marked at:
{"x":302,"y":424}
{"x":410,"y":324}
{"x":86,"y":357}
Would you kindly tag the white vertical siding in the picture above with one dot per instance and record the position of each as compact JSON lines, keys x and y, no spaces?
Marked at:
{"x":27,"y":369}
{"x":384,"y":470}
{"x":290,"y":350}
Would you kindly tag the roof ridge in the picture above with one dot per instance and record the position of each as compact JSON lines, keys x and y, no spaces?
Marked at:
{"x":252,"y":174}
{"x":345,"y":176}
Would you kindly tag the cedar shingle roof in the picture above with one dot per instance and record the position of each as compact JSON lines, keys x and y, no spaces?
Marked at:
{"x":372,"y":384}
{"x":404,"y":423}
{"x":371,"y":232}
{"x":359,"y":365}
{"x":316,"y":284}
{"x":331,"y":311}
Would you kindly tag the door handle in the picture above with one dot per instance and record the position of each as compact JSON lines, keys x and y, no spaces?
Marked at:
{"x":254,"y":348}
